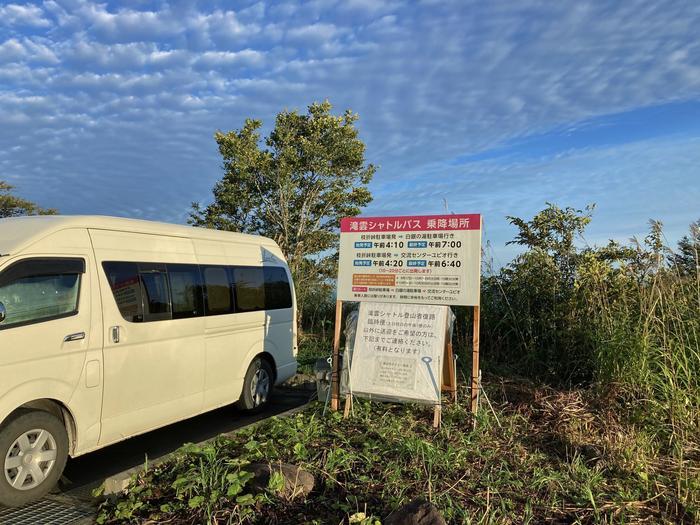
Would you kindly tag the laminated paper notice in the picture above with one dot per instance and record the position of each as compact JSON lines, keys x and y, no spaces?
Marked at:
{"x":398,"y":352}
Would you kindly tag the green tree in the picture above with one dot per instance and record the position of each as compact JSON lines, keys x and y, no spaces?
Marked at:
{"x":13,"y":206}
{"x":294,"y":187}
{"x":532,"y":305}
{"x":687,"y":257}
{"x":553,"y":232}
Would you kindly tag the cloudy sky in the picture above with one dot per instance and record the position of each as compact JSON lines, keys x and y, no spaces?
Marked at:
{"x":490,"y":106}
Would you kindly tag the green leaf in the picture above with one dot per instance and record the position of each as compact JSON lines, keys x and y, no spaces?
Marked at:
{"x":246,"y":499}
{"x":276,"y":481}
{"x":300,"y":450}
{"x":195,"y":502}
{"x":251,"y":445}
{"x":235,"y":487}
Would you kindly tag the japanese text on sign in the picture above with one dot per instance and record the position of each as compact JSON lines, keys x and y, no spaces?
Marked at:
{"x":398,"y":352}
{"x":432,"y":259}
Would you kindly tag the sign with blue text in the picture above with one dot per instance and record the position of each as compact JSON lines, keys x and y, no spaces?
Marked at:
{"x":421,"y":259}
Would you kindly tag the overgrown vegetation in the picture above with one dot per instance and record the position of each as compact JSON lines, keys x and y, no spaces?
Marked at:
{"x":546,"y":456}
{"x":592,"y":361}
{"x":624,"y":319}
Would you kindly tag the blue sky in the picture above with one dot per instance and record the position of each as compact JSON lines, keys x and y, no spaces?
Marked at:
{"x":495,"y":107}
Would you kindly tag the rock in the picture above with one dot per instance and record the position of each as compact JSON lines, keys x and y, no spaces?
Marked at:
{"x":417,"y":512}
{"x":296,"y":481}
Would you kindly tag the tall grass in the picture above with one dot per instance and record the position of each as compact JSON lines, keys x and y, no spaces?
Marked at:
{"x":647,"y":345}
{"x":624,"y":319}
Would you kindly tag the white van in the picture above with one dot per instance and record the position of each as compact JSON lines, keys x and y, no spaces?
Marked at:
{"x":113,"y":327}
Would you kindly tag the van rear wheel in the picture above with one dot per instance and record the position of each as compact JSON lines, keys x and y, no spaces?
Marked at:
{"x":257,"y":387}
{"x":33,"y":453}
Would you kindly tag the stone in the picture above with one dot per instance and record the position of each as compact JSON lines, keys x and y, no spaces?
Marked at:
{"x":417,"y":512}
{"x":297,"y":481}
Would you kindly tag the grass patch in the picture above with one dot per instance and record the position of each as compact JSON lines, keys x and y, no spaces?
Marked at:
{"x":312,"y":347}
{"x":557,"y":457}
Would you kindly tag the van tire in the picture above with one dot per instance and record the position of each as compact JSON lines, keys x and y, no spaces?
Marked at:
{"x":257,"y":386}
{"x":22,"y":423}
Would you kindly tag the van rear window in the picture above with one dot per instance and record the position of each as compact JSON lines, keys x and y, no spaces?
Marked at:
{"x":250,"y":289}
{"x":277,"y":291}
{"x":186,"y":290}
{"x":218,"y":290}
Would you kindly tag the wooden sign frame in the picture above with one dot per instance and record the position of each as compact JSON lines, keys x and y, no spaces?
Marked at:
{"x":449,"y":375}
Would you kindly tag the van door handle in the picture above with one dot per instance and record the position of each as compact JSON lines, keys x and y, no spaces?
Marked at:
{"x":74,"y":337}
{"x":115,"y":334}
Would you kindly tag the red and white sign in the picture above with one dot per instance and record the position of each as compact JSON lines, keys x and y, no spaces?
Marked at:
{"x":422,"y":259}
{"x":411,"y":223}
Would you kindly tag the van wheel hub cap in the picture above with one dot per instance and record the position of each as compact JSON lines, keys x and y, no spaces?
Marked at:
{"x":260,"y":387}
{"x":30,"y":459}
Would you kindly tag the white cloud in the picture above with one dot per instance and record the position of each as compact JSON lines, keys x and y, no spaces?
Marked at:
{"x":127,"y":24}
{"x":254,"y":12}
{"x":22,"y":15}
{"x":129,"y":56}
{"x":11,"y":51}
{"x":39,"y":52}
{"x":144,"y":88}
{"x":224,"y":26}
{"x":247,"y":57}
{"x":314,"y":34}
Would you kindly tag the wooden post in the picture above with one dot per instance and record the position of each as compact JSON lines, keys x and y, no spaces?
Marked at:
{"x":448,"y":372}
{"x":437,"y":416}
{"x":335,"y":374}
{"x":348,"y":406}
{"x":475,"y":362}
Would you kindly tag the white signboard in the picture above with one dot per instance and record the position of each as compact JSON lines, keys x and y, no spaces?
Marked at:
{"x":423,"y":259}
{"x":398,"y":352}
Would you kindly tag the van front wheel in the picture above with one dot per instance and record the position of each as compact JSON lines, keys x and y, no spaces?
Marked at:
{"x":33,"y":453}
{"x":257,"y":387}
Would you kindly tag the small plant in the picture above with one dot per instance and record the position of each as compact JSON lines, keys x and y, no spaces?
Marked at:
{"x":201,"y":482}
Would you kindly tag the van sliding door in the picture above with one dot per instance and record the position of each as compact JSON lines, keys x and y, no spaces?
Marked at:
{"x":154,"y":353}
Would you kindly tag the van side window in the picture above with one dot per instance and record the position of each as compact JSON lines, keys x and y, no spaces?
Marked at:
{"x":277,"y":292}
{"x":250,"y":288}
{"x":186,"y":290}
{"x":123,"y":278}
{"x":37,"y":290}
{"x":218,"y":290}
{"x":156,"y":292}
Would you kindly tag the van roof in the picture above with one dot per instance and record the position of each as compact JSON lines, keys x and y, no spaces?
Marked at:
{"x":19,"y":232}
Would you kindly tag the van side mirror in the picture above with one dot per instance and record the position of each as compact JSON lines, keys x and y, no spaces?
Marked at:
{"x":3,"y":312}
